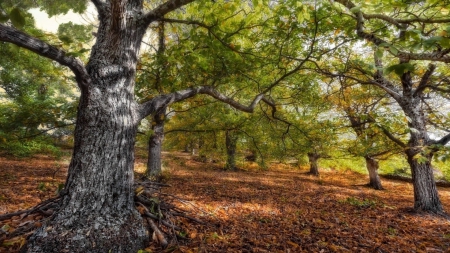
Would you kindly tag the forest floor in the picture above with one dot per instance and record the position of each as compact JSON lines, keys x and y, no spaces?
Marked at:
{"x":282,"y":209}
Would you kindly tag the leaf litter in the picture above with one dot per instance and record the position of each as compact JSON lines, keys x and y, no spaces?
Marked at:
{"x":282,"y":209}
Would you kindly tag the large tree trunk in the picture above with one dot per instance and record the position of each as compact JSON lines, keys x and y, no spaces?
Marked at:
{"x":426,"y":197}
{"x":231,"y":143}
{"x":154,"y":148}
{"x":313,"y":167}
{"x":372,"y":166}
{"x":97,"y":212}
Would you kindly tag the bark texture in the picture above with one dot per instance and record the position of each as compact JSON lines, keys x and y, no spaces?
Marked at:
{"x":97,"y":212}
{"x":426,"y":197}
{"x":372,"y":166}
{"x":155,"y":147}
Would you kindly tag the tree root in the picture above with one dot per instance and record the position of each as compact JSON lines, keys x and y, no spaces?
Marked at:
{"x":158,"y":210}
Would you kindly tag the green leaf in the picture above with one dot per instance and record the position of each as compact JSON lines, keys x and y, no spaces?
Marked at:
{"x":300,"y":17}
{"x":393,"y":50}
{"x":400,"y":69}
{"x":17,"y":18}
{"x":65,"y":39}
{"x":3,"y":17}
{"x":379,"y":53}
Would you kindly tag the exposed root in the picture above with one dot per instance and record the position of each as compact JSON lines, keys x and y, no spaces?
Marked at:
{"x":160,"y":215}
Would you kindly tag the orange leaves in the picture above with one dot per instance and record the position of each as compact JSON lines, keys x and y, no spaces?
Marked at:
{"x":277,"y":210}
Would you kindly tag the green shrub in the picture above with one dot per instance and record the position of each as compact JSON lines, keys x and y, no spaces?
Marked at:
{"x":29,"y":148}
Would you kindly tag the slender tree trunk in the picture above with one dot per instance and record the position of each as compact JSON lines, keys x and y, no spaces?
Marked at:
{"x":154,"y":148}
{"x":231,"y":143}
{"x":313,"y":167}
{"x":372,"y":166}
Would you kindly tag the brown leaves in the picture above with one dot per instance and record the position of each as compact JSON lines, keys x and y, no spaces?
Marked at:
{"x":287,"y":210}
{"x":280,"y":210}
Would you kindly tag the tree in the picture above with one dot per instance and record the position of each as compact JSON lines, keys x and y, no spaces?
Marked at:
{"x":36,"y":101}
{"x":363,"y":108}
{"x":412,"y":80}
{"x":97,"y":210}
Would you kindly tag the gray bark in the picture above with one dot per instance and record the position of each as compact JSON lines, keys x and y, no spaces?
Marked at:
{"x":155,"y":147}
{"x":313,"y":167}
{"x":426,"y":196}
{"x":97,"y":212}
{"x":372,"y":167}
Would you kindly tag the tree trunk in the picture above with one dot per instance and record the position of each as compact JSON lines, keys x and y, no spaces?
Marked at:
{"x":372,"y":166}
{"x":154,"y":148}
{"x":97,"y":212}
{"x":426,"y":196}
{"x":313,"y":167}
{"x":231,"y":143}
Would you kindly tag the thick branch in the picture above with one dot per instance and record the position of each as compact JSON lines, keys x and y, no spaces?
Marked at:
{"x":384,"y":83}
{"x":163,"y":9}
{"x":21,"y":39}
{"x":162,"y":101}
{"x":443,"y":141}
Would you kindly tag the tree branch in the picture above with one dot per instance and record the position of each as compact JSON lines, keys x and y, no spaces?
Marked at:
{"x":443,"y":141}
{"x":21,"y":39}
{"x":392,"y":137}
{"x":424,"y":81}
{"x":383,"y":82}
{"x":162,"y":101}
{"x":438,"y":55}
{"x":163,"y":9}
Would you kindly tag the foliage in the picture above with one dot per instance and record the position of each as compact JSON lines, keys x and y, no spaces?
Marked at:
{"x":29,"y":148}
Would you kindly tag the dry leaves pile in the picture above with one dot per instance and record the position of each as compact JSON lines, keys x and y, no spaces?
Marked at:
{"x":279,"y":210}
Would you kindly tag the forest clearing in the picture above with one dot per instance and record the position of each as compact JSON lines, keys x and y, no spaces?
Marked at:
{"x":282,"y":209}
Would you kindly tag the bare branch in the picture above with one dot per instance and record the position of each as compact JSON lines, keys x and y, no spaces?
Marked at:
{"x":163,"y":9}
{"x":21,"y":39}
{"x":443,"y":141}
{"x":163,"y":101}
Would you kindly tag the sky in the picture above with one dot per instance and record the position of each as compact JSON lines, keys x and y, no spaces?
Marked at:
{"x":48,"y":24}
